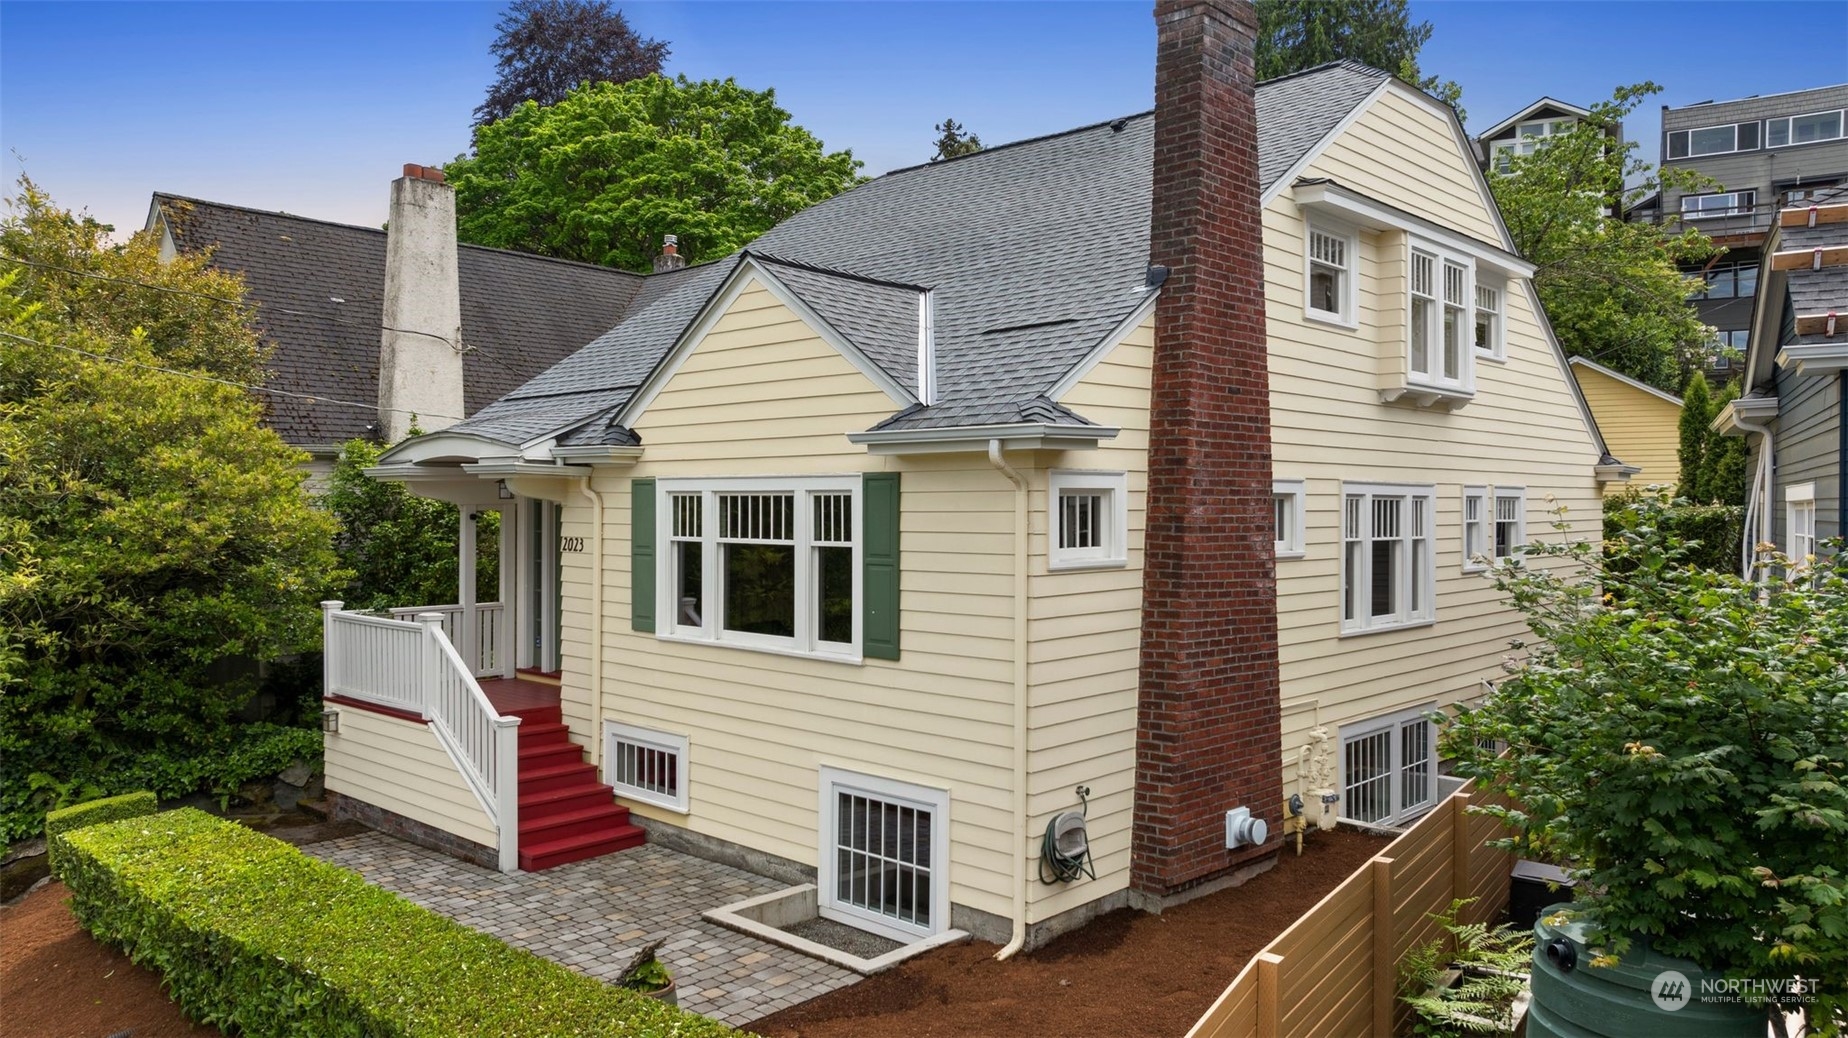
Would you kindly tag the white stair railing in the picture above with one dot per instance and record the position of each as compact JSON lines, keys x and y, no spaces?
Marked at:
{"x":484,"y":625}
{"x":414,"y":667}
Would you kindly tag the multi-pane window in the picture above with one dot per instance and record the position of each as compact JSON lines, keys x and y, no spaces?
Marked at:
{"x":1528,"y":137}
{"x":1330,"y":275}
{"x":1475,"y":527}
{"x":1728,"y":346}
{"x":1801,"y":500}
{"x":646,"y":765}
{"x":1090,"y":519}
{"x":769,"y":563}
{"x":1730,"y":281}
{"x":1803,"y":129}
{"x":1713,"y":140}
{"x":1388,"y":768}
{"x":1510,"y":521}
{"x":1287,"y":511}
{"x":1491,"y":327}
{"x":1440,"y":305}
{"x":1387,"y":572}
{"x":884,"y":852}
{"x":1456,"y":318}
{"x":1719,"y":203}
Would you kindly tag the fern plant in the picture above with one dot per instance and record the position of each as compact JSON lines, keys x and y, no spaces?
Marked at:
{"x":1493,"y":963}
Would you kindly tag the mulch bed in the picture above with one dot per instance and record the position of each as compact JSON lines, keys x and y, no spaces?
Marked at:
{"x":1127,"y":974}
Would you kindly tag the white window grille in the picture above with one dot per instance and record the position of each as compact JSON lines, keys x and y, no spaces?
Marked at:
{"x":1801,"y":503}
{"x":1330,"y":276}
{"x":1287,"y":507}
{"x":884,"y":855}
{"x":1388,"y":768}
{"x":646,"y":765}
{"x":1424,"y":314}
{"x":1090,"y":519}
{"x":1510,"y":521}
{"x":1388,"y":576}
{"x":1475,"y":527}
{"x":1441,"y":305}
{"x":1491,"y":327}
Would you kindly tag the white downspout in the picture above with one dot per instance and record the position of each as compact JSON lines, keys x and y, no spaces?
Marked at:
{"x":996,"y":459}
{"x":1758,"y":499}
{"x":596,"y":622}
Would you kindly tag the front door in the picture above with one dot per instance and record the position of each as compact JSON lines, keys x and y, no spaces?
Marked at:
{"x":539,"y":592}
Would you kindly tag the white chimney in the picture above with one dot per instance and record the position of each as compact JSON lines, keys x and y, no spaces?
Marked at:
{"x":420,"y":343}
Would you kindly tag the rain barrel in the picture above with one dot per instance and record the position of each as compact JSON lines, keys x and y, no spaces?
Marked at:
{"x":1646,"y":995}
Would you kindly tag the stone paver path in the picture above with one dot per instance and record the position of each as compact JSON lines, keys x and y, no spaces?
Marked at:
{"x":592,"y":915}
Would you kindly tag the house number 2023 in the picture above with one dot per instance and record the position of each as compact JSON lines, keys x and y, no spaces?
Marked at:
{"x":571,"y":545}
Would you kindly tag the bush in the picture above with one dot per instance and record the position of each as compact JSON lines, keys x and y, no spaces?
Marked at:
{"x":95,"y":812}
{"x":252,"y":936}
{"x":1710,"y":535}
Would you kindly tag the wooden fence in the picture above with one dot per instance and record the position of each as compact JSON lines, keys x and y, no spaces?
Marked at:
{"x":1334,"y":973}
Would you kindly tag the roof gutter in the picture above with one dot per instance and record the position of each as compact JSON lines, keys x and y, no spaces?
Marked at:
{"x":977,"y":439}
{"x":1749,"y":420}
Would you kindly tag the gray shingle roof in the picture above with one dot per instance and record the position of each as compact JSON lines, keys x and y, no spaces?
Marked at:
{"x":1033,"y":252}
{"x":318,"y":287}
{"x":1817,"y":291}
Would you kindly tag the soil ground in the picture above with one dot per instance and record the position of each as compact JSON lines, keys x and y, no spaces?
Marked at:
{"x":1127,"y":974}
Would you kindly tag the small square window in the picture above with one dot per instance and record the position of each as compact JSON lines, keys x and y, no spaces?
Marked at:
{"x":1089,"y":520}
{"x":1491,"y":338}
{"x":1329,"y":275}
{"x":1510,"y":521}
{"x":1287,"y":510}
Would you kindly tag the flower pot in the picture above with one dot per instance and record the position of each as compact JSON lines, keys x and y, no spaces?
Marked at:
{"x":668,"y":994}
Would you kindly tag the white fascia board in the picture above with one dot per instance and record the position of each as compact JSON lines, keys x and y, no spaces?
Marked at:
{"x":1581,"y":362}
{"x":599,"y":454}
{"x":750,"y":270}
{"x":975,"y":438}
{"x":1110,"y":342}
{"x":1823,"y":358}
{"x":1753,"y":409}
{"x":1354,"y":207}
{"x":1289,"y":176}
{"x":444,"y":445}
{"x":1521,"y":116}
{"x":501,"y":468}
{"x":1619,"y":473}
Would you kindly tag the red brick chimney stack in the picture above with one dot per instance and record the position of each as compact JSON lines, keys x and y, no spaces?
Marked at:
{"x":1208,"y":733}
{"x":669,"y":258}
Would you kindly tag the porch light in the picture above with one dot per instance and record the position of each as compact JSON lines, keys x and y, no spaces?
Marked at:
{"x":330,"y":722}
{"x":501,"y":486}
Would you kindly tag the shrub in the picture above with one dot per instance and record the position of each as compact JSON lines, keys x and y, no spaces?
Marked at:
{"x":1709,"y":535}
{"x":252,"y":936}
{"x":95,"y":812}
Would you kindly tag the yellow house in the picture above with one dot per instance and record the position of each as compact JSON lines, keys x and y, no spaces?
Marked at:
{"x":1641,"y":424}
{"x":839,"y":548}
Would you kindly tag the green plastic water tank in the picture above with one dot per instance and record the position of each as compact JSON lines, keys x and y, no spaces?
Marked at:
{"x":1633,"y":999}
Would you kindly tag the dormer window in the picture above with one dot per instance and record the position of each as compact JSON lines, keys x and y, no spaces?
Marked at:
{"x":1330,"y":275}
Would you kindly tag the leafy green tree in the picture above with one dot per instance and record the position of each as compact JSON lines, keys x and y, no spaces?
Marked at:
{"x":1697,"y":413}
{"x":400,"y":549}
{"x":1613,"y":291}
{"x":156,"y":542}
{"x":1678,"y":736}
{"x":548,"y":47}
{"x":1297,"y":34}
{"x":1727,"y":457}
{"x":603,"y":174}
{"x":954,"y":139}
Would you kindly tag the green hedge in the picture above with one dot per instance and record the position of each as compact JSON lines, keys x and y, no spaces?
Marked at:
{"x":253,"y":936}
{"x":95,"y":812}
{"x":1709,"y":535}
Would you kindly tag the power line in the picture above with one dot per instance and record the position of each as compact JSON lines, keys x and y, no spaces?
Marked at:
{"x":221,"y":381}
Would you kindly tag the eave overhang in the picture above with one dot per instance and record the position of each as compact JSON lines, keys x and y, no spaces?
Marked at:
{"x":598,"y":454}
{"x":1025,"y":436}
{"x":1823,"y":358}
{"x":1350,"y":206}
{"x":1752,"y":410}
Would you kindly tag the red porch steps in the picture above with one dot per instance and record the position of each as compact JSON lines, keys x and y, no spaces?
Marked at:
{"x":566,"y":815}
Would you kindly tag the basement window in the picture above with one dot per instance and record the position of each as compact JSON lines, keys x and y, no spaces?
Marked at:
{"x":884,"y":855}
{"x":646,"y":765}
{"x":1389,"y":767}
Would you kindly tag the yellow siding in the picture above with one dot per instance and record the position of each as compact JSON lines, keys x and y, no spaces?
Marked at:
{"x":1640,"y":428}
{"x":762,"y":394}
{"x":398,"y":765}
{"x":1405,"y":154}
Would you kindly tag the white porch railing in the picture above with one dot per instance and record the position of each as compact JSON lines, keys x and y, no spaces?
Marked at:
{"x":483,"y":631}
{"x":412,"y":666}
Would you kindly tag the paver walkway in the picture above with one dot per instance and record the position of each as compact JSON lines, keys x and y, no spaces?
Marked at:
{"x":592,"y":915}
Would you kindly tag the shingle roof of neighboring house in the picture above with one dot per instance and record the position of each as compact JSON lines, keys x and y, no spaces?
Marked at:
{"x":1817,"y":291}
{"x":1034,"y":253}
{"x":318,"y":287}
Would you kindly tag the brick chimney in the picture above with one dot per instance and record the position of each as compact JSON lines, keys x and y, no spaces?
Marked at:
{"x":1208,"y":714}
{"x":420,"y":342}
{"x":670,"y":257}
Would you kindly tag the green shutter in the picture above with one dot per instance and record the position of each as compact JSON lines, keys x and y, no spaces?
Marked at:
{"x":879,"y":566}
{"x":642,"y":555}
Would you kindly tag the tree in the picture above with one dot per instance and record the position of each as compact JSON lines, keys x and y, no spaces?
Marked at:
{"x":1727,"y":457}
{"x":953,"y":140}
{"x":1297,"y":34}
{"x":1696,"y":463}
{"x":155,"y":539}
{"x":400,"y":549}
{"x":547,"y":48}
{"x":1613,"y":291}
{"x":603,"y":174}
{"x":1678,"y":737}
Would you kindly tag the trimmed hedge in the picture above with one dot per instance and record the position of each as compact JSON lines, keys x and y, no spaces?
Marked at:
{"x":94,"y":812}
{"x":253,"y":936}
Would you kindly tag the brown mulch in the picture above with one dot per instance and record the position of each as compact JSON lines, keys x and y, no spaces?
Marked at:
{"x":1127,"y":974}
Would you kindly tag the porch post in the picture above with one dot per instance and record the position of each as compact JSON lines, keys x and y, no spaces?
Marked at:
{"x":430,"y":663}
{"x":467,"y":637}
{"x":328,"y":609}
{"x":507,"y":656}
{"x":507,"y":789}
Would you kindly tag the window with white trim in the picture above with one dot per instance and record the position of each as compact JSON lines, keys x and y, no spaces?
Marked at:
{"x":1785,"y":131}
{"x":1475,"y":528}
{"x":1388,"y":576}
{"x":1287,"y":510}
{"x":1329,"y":275}
{"x":1717,"y":204}
{"x":1439,"y":318}
{"x":1491,"y":326}
{"x":1510,"y":521}
{"x":646,"y":765}
{"x":1800,"y":503}
{"x":1388,"y":768}
{"x":884,"y":855}
{"x":771,"y":563}
{"x":1090,"y":519}
{"x":1528,"y":138}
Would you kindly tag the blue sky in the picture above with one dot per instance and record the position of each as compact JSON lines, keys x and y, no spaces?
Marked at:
{"x":313,"y":107}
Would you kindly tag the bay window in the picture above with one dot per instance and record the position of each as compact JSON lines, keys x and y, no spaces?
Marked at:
{"x":1440,"y":317}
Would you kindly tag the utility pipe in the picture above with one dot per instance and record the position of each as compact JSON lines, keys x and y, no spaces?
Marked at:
{"x":996,"y":459}
{"x":596,"y":620}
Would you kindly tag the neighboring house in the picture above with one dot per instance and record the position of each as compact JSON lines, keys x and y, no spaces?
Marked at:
{"x":1796,"y":374}
{"x":1098,"y":469}
{"x":1526,"y":130}
{"x":1641,"y":424}
{"x":1762,"y":153}
{"x":325,"y":293}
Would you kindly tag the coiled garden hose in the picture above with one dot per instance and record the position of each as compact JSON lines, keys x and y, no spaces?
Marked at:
{"x":1057,"y":867}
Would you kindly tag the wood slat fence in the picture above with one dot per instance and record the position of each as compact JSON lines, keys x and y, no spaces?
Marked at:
{"x":1334,"y":972}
